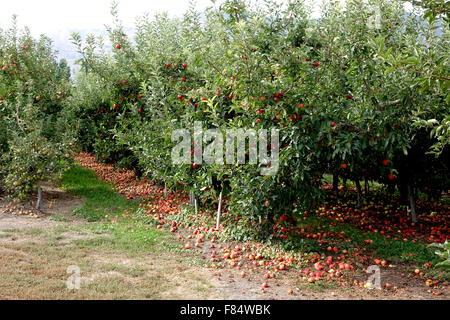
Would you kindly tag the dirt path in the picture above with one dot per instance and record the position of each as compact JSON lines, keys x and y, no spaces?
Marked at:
{"x":37,"y":249}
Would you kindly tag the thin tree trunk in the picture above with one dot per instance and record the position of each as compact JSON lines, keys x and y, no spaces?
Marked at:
{"x":366,"y":186}
{"x":403,"y":188}
{"x":196,"y":205}
{"x":391,"y":188}
{"x":359,"y":193}
{"x":335,"y":182}
{"x":412,"y":204}
{"x":191,"y":198}
{"x":39,"y":199}
{"x":219,"y":209}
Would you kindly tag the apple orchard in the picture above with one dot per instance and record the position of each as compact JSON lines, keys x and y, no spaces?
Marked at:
{"x":362,"y":113}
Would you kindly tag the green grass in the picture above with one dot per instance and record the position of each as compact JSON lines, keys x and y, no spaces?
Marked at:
{"x":99,"y":195}
{"x":58,"y":218}
{"x":320,"y":286}
{"x":128,"y":235}
{"x":132,"y":233}
{"x":394,"y":250}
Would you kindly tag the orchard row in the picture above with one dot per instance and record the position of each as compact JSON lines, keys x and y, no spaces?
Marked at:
{"x":355,"y":101}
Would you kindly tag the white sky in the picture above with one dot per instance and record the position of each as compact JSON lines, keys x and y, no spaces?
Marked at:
{"x":55,"y":17}
{"x":59,"y":18}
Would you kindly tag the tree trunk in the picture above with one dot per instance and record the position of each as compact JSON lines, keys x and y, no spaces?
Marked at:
{"x":366,"y":187}
{"x":39,"y":199}
{"x":359,"y":193}
{"x":403,"y":188}
{"x":137,"y":172}
{"x":191,"y":198}
{"x":391,"y":188}
{"x":335,"y":182}
{"x":412,"y":204}
{"x":219,"y":209}
{"x":196,"y":205}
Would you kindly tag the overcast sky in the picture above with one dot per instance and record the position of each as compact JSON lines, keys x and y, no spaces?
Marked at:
{"x":50,"y":16}
{"x":59,"y":18}
{"x":54,"y":17}
{"x":62,"y":16}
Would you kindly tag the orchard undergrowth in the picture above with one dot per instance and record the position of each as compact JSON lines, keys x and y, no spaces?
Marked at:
{"x":334,"y":244}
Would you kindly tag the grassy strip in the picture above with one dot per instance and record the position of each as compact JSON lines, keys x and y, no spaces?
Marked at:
{"x":101,"y":199}
{"x":128,"y":228}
